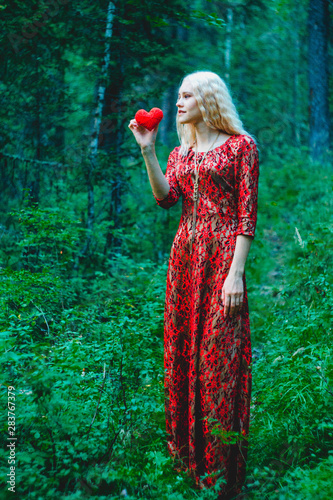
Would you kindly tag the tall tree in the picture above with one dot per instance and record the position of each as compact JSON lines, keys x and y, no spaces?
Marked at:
{"x":228,"y":42}
{"x":90,"y":164}
{"x":318,"y":78}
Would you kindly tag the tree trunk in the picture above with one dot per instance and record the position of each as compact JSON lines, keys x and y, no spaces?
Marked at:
{"x":112,"y":140}
{"x":96,"y":128}
{"x":296,"y":53}
{"x":318,"y":24}
{"x":168,"y":124}
{"x":34,"y":184}
{"x":168,"y":127}
{"x":242,"y":65}
{"x":60,"y":129}
{"x":228,"y":43}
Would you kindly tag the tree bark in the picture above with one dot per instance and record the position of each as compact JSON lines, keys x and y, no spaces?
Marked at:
{"x":295,"y":114}
{"x":228,"y":43}
{"x":168,"y":125}
{"x":112,"y":140}
{"x":96,"y":128}
{"x":318,"y":25}
{"x":34,"y":184}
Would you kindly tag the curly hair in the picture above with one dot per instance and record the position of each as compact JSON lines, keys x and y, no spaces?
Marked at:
{"x":215,"y":103}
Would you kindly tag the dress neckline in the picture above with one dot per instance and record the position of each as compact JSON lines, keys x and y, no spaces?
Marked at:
{"x":217,"y":147}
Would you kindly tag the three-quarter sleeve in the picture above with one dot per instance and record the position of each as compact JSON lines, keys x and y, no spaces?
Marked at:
{"x":170,"y":175}
{"x":247,"y":188}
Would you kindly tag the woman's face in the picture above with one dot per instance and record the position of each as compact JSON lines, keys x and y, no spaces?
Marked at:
{"x":188,"y":110}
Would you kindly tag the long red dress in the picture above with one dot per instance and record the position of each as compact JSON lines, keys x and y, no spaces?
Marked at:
{"x":207,"y":356}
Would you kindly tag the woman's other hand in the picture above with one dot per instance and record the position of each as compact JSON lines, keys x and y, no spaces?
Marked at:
{"x":233,"y":294}
{"x":144,"y":137}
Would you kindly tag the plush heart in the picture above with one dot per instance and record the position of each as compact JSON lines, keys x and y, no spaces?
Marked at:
{"x":149,"y":120}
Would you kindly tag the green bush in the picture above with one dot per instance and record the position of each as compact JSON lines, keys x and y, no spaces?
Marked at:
{"x":292,"y":401}
{"x":84,"y":352}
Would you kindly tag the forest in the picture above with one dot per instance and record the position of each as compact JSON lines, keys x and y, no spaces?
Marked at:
{"x":84,"y":247}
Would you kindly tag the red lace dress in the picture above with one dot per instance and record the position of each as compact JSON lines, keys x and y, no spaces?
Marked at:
{"x":207,"y":356}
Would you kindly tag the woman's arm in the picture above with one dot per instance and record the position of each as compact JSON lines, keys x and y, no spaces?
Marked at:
{"x":146,"y":140}
{"x":247,"y":201}
{"x":233,"y":287}
{"x":158,"y":182}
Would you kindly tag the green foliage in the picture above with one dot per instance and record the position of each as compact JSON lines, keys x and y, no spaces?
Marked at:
{"x":48,"y":238}
{"x":309,"y":484}
{"x":227,"y":437}
{"x":292,"y":400}
{"x":88,"y":379}
{"x":85,"y":355}
{"x":95,"y":377}
{"x":82,"y":298}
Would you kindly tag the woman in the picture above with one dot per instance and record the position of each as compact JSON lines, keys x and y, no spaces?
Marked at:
{"x":206,"y":319}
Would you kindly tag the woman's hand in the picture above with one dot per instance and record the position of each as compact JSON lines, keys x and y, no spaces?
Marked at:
{"x":144,"y":137}
{"x":233,"y":294}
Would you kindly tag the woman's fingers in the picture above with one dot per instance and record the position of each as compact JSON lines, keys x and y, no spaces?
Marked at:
{"x":133,"y":125}
{"x":226,"y":303}
{"x":143,"y":136}
{"x":232,"y":296}
{"x":238,"y":303}
{"x":232,"y":303}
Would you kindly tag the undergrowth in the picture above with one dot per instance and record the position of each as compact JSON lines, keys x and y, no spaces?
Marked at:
{"x":85,"y":357}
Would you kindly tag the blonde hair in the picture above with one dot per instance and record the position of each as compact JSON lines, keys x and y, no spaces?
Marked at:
{"x":217,"y":108}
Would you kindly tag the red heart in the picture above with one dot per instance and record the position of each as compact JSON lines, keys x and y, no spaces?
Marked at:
{"x":149,"y":120}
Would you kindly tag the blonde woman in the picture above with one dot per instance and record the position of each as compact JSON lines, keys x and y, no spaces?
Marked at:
{"x":207,"y":344}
